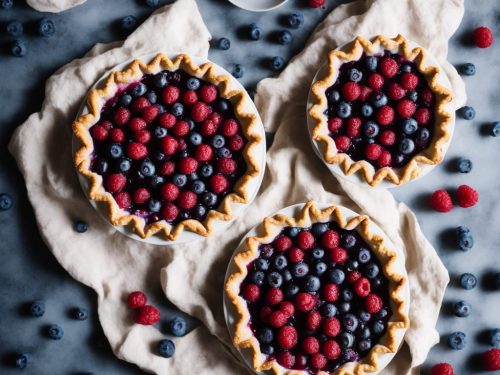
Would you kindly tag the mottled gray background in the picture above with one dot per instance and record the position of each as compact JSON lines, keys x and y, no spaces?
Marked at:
{"x":29,"y":271}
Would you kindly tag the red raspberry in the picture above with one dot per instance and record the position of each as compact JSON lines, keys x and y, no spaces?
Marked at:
{"x":98,"y":132}
{"x":189,"y":97}
{"x":342,"y":143}
{"x":427,"y":96}
{"x":136,"y":300}
{"x":137,"y":124}
{"x":287,"y":308}
{"x":117,"y":135}
{"x":406,"y":108}
{"x":218,"y":183}
{"x":208,"y":93}
{"x":265,"y":313}
{"x":466,"y":196}
{"x":334,"y":124}
{"x":169,"y":145}
{"x":170,"y":94}
{"x":373,"y":303}
{"x":139,"y":104}
{"x":353,"y":127}
{"x":142,"y":136}
{"x":226,"y":166}
{"x":338,"y":255}
{"x":310,"y":345}
{"x":167,"y":168}
{"x":351,"y":91}
{"x":287,"y":359}
{"x":362,"y":287}
{"x":147,"y":315}
{"x":305,"y":240}
{"x":229,"y":127}
{"x":188,"y":165}
{"x":167,"y":120}
{"x":331,"y":350}
{"x":353,"y":276}
{"x":170,"y":212}
{"x":442,"y":369}
{"x":385,"y":159}
{"x":318,"y":361}
{"x":121,"y":116}
{"x":423,"y":116}
{"x":136,"y":151}
{"x":282,"y":243}
{"x":388,"y":67}
{"x":482,"y":37}
{"x":199,"y":112}
{"x":141,"y":195}
{"x":373,"y":151}
{"x":441,"y":201}
{"x":331,"y":327}
{"x":330,"y":239}
{"x":409,"y":81}
{"x":365,"y":93}
{"x":115,"y":182}
{"x":287,"y":337}
{"x":150,"y":113}
{"x":106,"y":125}
{"x":387,"y":137}
{"x":330,"y":292}
{"x":313,"y":320}
{"x":187,"y":199}
{"x":304,"y":302}
{"x":216,"y":118}
{"x":236,"y":143}
{"x":203,"y":153}
{"x":315,"y":3}
{"x":277,"y":319}
{"x":295,"y":255}
{"x":169,"y":192}
{"x":250,"y":292}
{"x":208,"y":128}
{"x":395,"y":91}
{"x":274,"y":296}
{"x":376,"y":81}
{"x":123,"y":199}
{"x":491,"y":360}
{"x":385,"y":115}
{"x":181,"y":129}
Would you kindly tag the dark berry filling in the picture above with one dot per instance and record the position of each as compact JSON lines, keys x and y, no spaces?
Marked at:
{"x":381,"y":109}
{"x":317,"y":298}
{"x":168,"y":147}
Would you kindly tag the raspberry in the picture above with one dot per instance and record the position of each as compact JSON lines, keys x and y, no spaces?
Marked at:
{"x":466,"y":196}
{"x":441,"y":201}
{"x":287,"y":308}
{"x":229,"y":127}
{"x":365,"y":93}
{"x":491,"y":360}
{"x":150,"y":113}
{"x":423,"y":116}
{"x":395,"y":91}
{"x":169,"y":192}
{"x":216,"y":118}
{"x":351,"y":91}
{"x":167,"y":120}
{"x":330,"y":292}
{"x":277,"y":319}
{"x":388,"y":67}
{"x":170,"y":94}
{"x":406,"y":108}
{"x":226,"y":166}
{"x":305,"y":240}
{"x":265,"y":313}
{"x":136,"y":151}
{"x":373,"y":151}
{"x":385,"y":159}
{"x":373,"y":303}
{"x":482,"y":37}
{"x":387,"y":137}
{"x":115,"y":182}
{"x":353,"y":127}
{"x":250,"y":292}
{"x":117,"y":135}
{"x":287,"y":359}
{"x":427,"y":96}
{"x":342,"y":143}
{"x":313,"y":320}
{"x":331,"y":327}
{"x":208,"y":93}
{"x":362,"y":287}
{"x":385,"y":115}
{"x":287,"y":337}
{"x":141,"y":195}
{"x":218,"y":183}
{"x":169,"y":145}
{"x":376,"y":81}
{"x":167,"y":168}
{"x":334,"y":124}
{"x":147,"y":315}
{"x":203,"y":153}
{"x":442,"y":369}
{"x":136,"y":300}
{"x":181,"y":129}
{"x":189,"y":97}
{"x":318,"y":361}
{"x":338,"y":255}
{"x":409,"y":81}
{"x":310,"y":345}
{"x":142,"y":136}
{"x":187,"y":199}
{"x":304,"y":302}
{"x":295,"y":255}
{"x":139,"y":104}
{"x":121,"y":117}
{"x":330,"y":239}
{"x":187,"y":165}
{"x":123,"y":199}
{"x":353,"y":276}
{"x":199,"y":112}
{"x":282,"y":243}
{"x":170,"y":212}
{"x":137,"y":124}
{"x":331,"y":349}
{"x":274,"y":296}
{"x":315,"y":3}
{"x":236,"y":143}
{"x":98,"y":132}
{"x":106,"y":125}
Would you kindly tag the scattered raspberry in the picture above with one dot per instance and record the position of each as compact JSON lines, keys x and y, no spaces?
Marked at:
{"x":199,"y":111}
{"x":287,"y":337}
{"x":167,"y":120}
{"x":350,"y":91}
{"x":441,"y":201}
{"x":331,"y":350}
{"x":230,"y":127}
{"x":98,"y":132}
{"x":387,"y":138}
{"x":388,"y":67}
{"x":442,"y":369}
{"x":169,"y":192}
{"x":236,"y":143}
{"x":142,"y":136}
{"x":181,"y":129}
{"x":353,"y":276}
{"x":423,"y":116}
{"x":208,"y":128}
{"x":376,"y":81}
{"x":318,"y":361}
{"x":121,"y":117}
{"x":187,"y":199}
{"x":208,"y":93}
{"x":338,"y":255}
{"x":136,"y":151}
{"x":373,"y":303}
{"x":313,"y":320}
{"x":362,"y":287}
{"x":385,"y":159}
{"x":409,"y":81}
{"x":304,"y":302}
{"x":274,"y":296}
{"x":466,"y":196}
{"x":226,"y":166}
{"x":139,"y":104}
{"x":295,"y":255}
{"x":342,"y":143}
{"x":189,"y":97}
{"x":385,"y":115}
{"x":287,"y":308}
{"x":373,"y":151}
{"x":250,"y":292}
{"x":395,"y":91}
{"x":491,"y":360}
{"x":147,"y":315}
{"x":282,"y":243}
{"x":218,"y":183}
{"x":330,"y":292}
{"x":115,"y":182}
{"x":203,"y":152}
{"x":353,"y":127}
{"x":406,"y":108}
{"x":331,"y":327}
{"x":117,"y":135}
{"x":170,"y":212}
{"x":315,"y":3}
{"x":170,"y":94}
{"x":141,"y":195}
{"x":150,"y":113}
{"x":310,"y":345}
{"x":187,"y":165}
{"x":277,"y":319}
{"x":482,"y":37}
{"x":334,"y":124}
{"x":169,"y":145}
{"x":136,"y":300}
{"x":330,"y":239}
{"x":305,"y":240}
{"x":287,"y":359}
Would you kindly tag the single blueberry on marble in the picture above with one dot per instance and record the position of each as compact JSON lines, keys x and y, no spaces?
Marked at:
{"x":468,"y":281}
{"x":55,"y":332}
{"x":128,"y":23}
{"x":467,"y":112}
{"x":468,"y":69}
{"x":23,"y":360}
{"x":277,"y":63}
{"x":457,"y":340}
{"x":285,"y":37}
{"x":223,"y":44}
{"x":495,"y":129}
{"x":46,"y":28}
{"x":238,"y":71}
{"x":5,"y":202}
{"x":255,"y":32}
{"x":18,"y":48}
{"x":462,"y":309}
{"x":80,"y":313}
{"x":166,"y":348}
{"x":14,"y":28}
{"x":37,"y":308}
{"x":295,"y":20}
{"x":464,"y":165}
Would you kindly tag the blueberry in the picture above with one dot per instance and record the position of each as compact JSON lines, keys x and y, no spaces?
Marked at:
{"x":291,"y":290}
{"x":371,"y":129}
{"x":151,"y":97}
{"x":274,"y":279}
{"x":277,"y":63}
{"x":280,"y":262}
{"x":125,"y":100}
{"x":495,"y":129}
{"x":55,"y":332}
{"x":422,"y":137}
{"x":178,"y":326}
{"x":349,"y":356}
{"x":14,"y":28}
{"x":346,"y":340}
{"x":344,"y":110}
{"x":160,"y":132}
{"x":464,"y":165}
{"x":46,"y":27}
{"x":300,"y":270}
{"x":266,"y":335}
{"x":223,"y":105}
{"x":209,"y":199}
{"x":399,"y":159}
{"x":160,"y":80}
{"x":23,"y":360}
{"x":156,"y":181}
{"x":350,"y":323}
{"x":177,"y":109}
{"x":328,"y":310}
{"x":371,"y":270}
{"x":337,"y":276}
{"x":467,"y":69}
{"x":318,"y":253}
{"x":311,"y":284}
{"x":267,"y":349}
{"x":193,"y":83}
{"x":223,"y":44}
{"x":81,"y":313}
{"x":206,"y":170}
{"x":37,"y":308}
{"x":462,"y":309}
{"x":318,"y":229}
{"x":348,"y":241}
{"x":344,"y":307}
{"x":366,"y":110}
{"x":467,"y":112}
{"x":154,"y":205}
{"x":255,"y":32}
{"x":355,"y":75}
{"x":147,"y":168}
{"x":382,"y":313}
{"x":128,"y":23}
{"x":364,"y":316}
{"x":406,"y":68}
{"x":124,"y":165}
{"x":379,"y":99}
{"x":293,"y":232}
{"x":462,"y":230}
{"x":365,"y":332}
{"x":166,"y":348}
{"x":285,"y":37}
{"x":378,"y":327}
{"x":295,"y":20}
{"x":333,"y":96}
{"x":371,"y":63}
{"x":287,"y":276}
{"x":364,"y":345}
{"x":199,"y":211}
{"x":18,"y":48}
{"x":217,"y":141}
{"x":364,"y":255}
{"x":5,"y":202}
{"x":406,"y":146}
{"x":152,"y":3}
{"x":179,"y":180}
{"x":494,"y":336}
{"x":320,"y":268}
{"x":412,"y":95}
{"x":468,"y":281}
{"x":346,"y":295}
{"x":6,"y":4}
{"x":409,"y":126}
{"x":81,"y":226}
{"x":465,"y":241}
{"x":457,"y":340}
{"x":352,"y":264}
{"x":114,"y":151}
{"x":224,"y":152}
{"x":261,"y":264}
{"x":198,"y":186}
{"x":238,"y":71}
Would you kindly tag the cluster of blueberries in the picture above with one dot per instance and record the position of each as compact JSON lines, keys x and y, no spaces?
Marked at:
{"x":176,"y":327}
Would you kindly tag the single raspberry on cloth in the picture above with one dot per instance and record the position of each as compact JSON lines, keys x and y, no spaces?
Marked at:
{"x":147,"y":315}
{"x":136,"y":300}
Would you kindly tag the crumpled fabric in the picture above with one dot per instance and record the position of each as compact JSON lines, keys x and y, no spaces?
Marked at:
{"x":54,"y":6}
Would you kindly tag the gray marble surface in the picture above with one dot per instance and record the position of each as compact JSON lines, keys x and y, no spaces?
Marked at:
{"x":29,"y":271}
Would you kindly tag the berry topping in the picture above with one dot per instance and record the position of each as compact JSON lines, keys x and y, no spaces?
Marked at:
{"x":287,"y":337}
{"x":373,"y":303}
{"x":441,"y":201}
{"x":305,"y":240}
{"x":466,"y":196}
{"x":170,"y":94}
{"x":482,"y":37}
{"x":251,"y":292}
{"x":351,"y":91}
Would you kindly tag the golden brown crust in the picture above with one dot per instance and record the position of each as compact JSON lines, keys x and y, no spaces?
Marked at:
{"x":243,"y":336}
{"x":96,"y":100}
{"x":432,"y":155}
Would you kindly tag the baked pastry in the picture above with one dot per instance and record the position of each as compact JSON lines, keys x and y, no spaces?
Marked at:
{"x":380,"y":110}
{"x":318,"y":294}
{"x":168,"y":145}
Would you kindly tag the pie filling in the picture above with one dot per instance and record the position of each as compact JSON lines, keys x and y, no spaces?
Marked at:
{"x":317,"y":298}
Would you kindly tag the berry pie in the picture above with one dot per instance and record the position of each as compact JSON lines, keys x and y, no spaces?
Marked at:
{"x":319,"y":293}
{"x":381,"y":110}
{"x":168,"y":146}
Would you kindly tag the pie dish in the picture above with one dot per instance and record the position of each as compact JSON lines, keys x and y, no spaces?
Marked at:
{"x":169,"y":146}
{"x":380,"y":109}
{"x":320,"y":292}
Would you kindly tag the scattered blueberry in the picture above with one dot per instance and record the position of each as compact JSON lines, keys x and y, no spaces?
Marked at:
{"x":462,"y":309}
{"x":495,"y":129}
{"x":139,"y":90}
{"x":328,"y":310}
{"x":267,"y":349}
{"x":238,"y":71}
{"x":80,"y":313}
{"x":23,"y":360}
{"x":152,"y":3}
{"x":291,"y":290}
{"x":224,"y":44}
{"x":255,"y":32}
{"x":18,"y":48}
{"x":468,"y":281}
{"x":37,"y":308}
{"x":465,"y":239}
{"x":280,"y":262}
{"x":350,"y":323}
{"x":55,"y":332}
{"x":457,"y":340}
{"x":467,"y":112}
{"x":295,"y":20}
{"x":6,"y":4}
{"x":128,"y":23}
{"x":46,"y":28}
{"x":178,"y":326}
{"x":464,"y":165}
{"x":468,"y":69}
{"x":160,"y":132}
{"x":5,"y":202}
{"x":494,"y":335}
{"x":124,"y":165}
{"x":14,"y":28}
{"x":346,"y":340}
{"x":277,"y":63}
{"x":166,"y":348}
{"x":81,"y":226}
{"x":285,"y":37}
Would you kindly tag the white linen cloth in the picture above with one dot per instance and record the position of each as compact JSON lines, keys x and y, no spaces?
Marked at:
{"x":53,"y":6}
{"x":192,"y":274}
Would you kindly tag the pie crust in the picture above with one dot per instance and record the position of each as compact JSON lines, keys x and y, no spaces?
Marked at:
{"x":244,"y":337}
{"x":432,"y":155}
{"x":97,"y":98}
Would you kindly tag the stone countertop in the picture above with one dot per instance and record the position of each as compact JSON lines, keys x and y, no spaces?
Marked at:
{"x":29,"y":271}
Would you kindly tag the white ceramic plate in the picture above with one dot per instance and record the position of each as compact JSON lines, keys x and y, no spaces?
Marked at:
{"x":319,"y":147}
{"x":231,"y":316}
{"x":253,"y":186}
{"x":258,"y":5}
